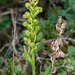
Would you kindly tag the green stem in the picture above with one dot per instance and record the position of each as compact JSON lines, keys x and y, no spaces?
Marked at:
{"x":33,"y":64}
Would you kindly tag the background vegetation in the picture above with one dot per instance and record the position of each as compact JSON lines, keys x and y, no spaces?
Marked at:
{"x":11,"y":29}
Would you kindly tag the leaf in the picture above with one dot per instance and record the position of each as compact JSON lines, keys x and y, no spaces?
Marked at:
{"x":5,"y":22}
{"x":9,"y":71}
{"x":39,"y":36}
{"x":27,"y":56}
{"x":73,"y":6}
{"x":71,"y":51}
{"x":63,"y":73}
{"x":37,"y":29}
{"x":17,"y":69}
{"x":47,"y":71}
{"x":1,"y":61}
{"x":38,"y":46}
{"x":64,"y":0}
{"x":70,"y":2}
{"x":62,"y":12}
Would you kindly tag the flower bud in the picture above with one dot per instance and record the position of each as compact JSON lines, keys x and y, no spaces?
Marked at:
{"x":37,"y":11}
{"x":26,"y":15}
{"x":27,"y":5}
{"x":36,"y":8}
{"x":32,"y":3}
{"x":24,"y":24}
{"x":26,"y":40}
{"x":35,"y":21}
{"x":27,"y":32}
{"x":32,"y":44}
{"x":40,"y":9}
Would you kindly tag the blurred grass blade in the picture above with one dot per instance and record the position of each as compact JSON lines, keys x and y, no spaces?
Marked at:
{"x":47,"y":71}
